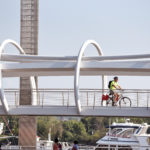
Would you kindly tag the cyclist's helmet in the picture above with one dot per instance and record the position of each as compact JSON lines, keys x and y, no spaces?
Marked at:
{"x":116,"y":78}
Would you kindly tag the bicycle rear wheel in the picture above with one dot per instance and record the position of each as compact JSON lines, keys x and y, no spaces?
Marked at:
{"x":125,"y":102}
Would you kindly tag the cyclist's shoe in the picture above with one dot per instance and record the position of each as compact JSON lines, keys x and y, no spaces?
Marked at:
{"x":115,"y":104}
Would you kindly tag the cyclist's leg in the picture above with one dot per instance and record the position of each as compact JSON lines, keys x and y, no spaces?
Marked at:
{"x":111,"y":92}
{"x":112,"y":98}
{"x":116,"y":95}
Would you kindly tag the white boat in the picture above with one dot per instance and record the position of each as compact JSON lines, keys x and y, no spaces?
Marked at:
{"x":1,"y":127}
{"x":41,"y":145}
{"x":125,"y":136}
{"x":48,"y":144}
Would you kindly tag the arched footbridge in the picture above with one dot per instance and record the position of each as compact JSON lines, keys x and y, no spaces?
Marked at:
{"x":72,"y":102}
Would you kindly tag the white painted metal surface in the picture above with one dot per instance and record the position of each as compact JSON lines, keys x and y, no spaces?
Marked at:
{"x":77,"y":70}
{"x":32,"y":80}
{"x":27,"y":65}
{"x":93,"y":68}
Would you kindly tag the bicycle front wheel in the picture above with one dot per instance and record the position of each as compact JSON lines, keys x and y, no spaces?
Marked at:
{"x":125,"y":102}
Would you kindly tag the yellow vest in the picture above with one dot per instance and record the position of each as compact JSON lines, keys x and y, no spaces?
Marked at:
{"x":113,"y":83}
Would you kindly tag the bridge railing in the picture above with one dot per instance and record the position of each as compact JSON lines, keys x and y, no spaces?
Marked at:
{"x":88,"y":97}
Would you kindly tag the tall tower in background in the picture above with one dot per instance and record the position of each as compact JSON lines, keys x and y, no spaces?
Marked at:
{"x":29,"y":42}
{"x":29,"y":26}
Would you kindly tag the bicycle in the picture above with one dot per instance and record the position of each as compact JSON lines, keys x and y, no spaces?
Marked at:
{"x":123,"y":101}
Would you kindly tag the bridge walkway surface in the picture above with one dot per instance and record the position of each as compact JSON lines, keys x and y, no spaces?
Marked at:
{"x":61,"y":102}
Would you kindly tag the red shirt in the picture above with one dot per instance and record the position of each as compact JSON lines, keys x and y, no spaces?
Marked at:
{"x":55,"y":146}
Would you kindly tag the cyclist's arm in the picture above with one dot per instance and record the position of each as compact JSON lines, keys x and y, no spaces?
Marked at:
{"x":119,"y":87}
{"x":114,"y":86}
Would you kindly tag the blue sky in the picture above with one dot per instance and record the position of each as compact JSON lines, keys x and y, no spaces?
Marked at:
{"x":119,"y":26}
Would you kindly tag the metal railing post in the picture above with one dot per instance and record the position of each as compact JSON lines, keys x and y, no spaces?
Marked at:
{"x":87,"y":99}
{"x":94,"y":101}
{"x":68,"y":99}
{"x":63,"y":101}
{"x":147,"y":99}
{"x":39,"y":97}
{"x":137,"y":99}
{"x":15,"y":99}
{"x":43,"y":99}
{"x":38,"y":101}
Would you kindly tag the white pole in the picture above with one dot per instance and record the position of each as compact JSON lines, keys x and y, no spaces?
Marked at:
{"x":104,"y":86}
{"x":104,"y":82}
{"x":49,"y":135}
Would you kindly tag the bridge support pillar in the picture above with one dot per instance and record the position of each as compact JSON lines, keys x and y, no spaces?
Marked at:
{"x":27,"y":132}
{"x":29,"y":43}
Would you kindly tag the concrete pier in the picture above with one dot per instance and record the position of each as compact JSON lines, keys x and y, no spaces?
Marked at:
{"x":27,"y":132}
{"x":29,"y":42}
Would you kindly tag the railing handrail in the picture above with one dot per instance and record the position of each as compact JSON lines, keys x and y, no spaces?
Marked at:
{"x":83,"y":89}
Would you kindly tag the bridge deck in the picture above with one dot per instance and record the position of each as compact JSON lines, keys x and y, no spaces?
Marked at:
{"x":72,"y":111}
{"x":60,"y":102}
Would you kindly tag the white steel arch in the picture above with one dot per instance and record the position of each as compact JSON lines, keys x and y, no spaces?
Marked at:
{"x":77,"y":70}
{"x":32,"y":80}
{"x":29,"y":65}
{"x":13,"y":43}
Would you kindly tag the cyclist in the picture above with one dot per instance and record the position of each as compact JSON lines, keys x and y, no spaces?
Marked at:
{"x":114,"y":86}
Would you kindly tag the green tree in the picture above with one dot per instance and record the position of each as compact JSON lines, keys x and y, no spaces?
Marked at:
{"x":75,"y":129}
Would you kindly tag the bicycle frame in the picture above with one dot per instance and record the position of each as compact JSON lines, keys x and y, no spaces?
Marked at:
{"x":111,"y":98}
